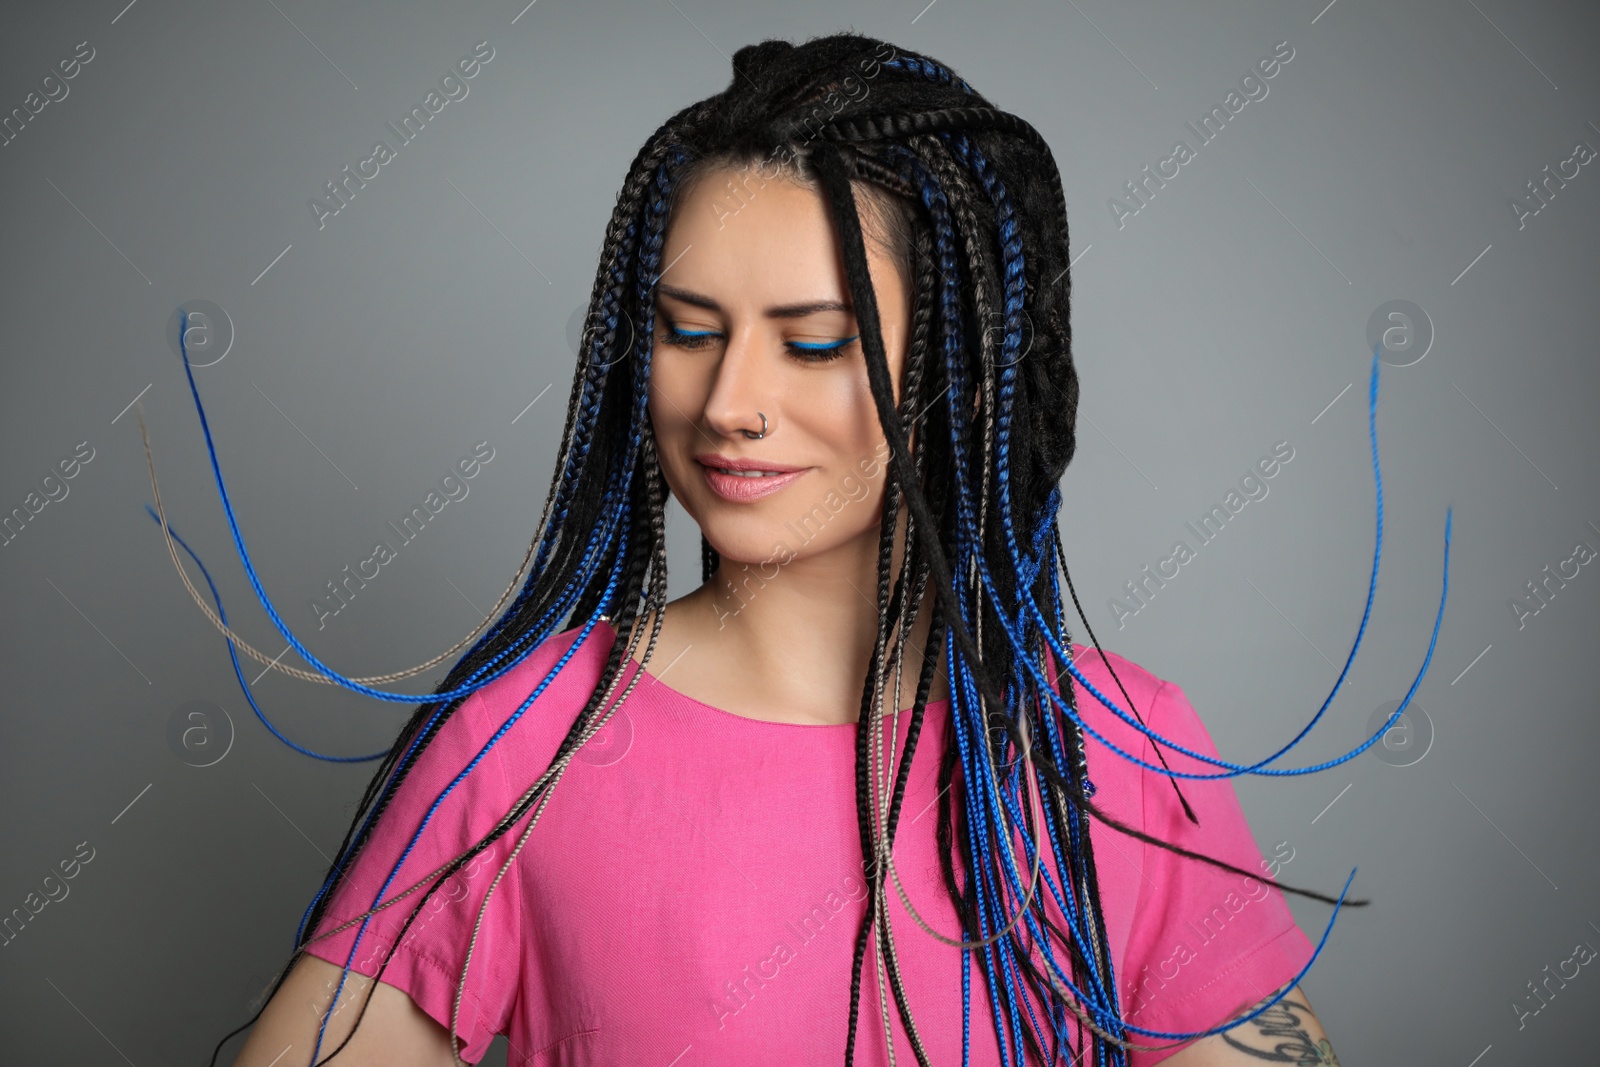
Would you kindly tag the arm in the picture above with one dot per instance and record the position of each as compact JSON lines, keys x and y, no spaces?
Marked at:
{"x":394,"y":1032}
{"x":1287,"y":1032}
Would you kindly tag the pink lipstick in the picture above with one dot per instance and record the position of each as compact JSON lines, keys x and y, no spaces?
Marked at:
{"x":744,"y":480}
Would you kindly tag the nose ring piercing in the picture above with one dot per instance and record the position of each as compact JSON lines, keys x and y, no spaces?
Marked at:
{"x":757,"y":436}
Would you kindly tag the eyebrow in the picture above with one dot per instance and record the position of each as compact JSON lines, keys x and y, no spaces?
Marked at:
{"x":782,"y":311}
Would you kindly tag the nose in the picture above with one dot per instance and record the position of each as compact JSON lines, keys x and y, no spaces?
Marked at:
{"x":741,"y":385}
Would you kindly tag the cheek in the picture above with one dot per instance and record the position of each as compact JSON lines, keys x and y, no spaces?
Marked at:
{"x":670,"y":427}
{"x":840,"y":409}
{"x":666,"y":383}
{"x":838,"y":415}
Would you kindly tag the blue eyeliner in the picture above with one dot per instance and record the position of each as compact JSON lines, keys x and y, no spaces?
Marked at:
{"x":677,"y":336}
{"x":818,"y":346}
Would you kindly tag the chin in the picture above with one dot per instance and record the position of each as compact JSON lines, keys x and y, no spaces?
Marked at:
{"x":757,"y":543}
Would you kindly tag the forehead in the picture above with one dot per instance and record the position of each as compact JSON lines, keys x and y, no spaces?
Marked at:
{"x":745,"y":242}
{"x":742,"y":239}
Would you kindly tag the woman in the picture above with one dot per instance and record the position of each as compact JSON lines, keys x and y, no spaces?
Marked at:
{"x":831,"y":318}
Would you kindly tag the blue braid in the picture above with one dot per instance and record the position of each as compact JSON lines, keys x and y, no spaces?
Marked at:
{"x":238,"y":671}
{"x":976,"y":798}
{"x":1099,"y":1000}
{"x":1055,"y":597}
{"x":1285,"y":991}
{"x":1102,"y":1000}
{"x":1043,"y":525}
{"x":966,"y":1007}
{"x":927,"y":69}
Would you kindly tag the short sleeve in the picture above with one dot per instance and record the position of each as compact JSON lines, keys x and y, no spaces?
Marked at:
{"x":427,"y":963}
{"x":1205,"y":942}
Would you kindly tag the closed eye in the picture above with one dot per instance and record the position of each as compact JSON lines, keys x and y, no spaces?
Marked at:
{"x":688,"y":338}
{"x":819,"y":351}
{"x":805,"y":351}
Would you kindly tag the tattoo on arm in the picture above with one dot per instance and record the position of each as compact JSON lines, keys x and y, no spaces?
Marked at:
{"x":1283,"y":1034}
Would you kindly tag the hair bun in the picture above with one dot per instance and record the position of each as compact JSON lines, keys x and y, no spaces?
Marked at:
{"x":753,"y":60}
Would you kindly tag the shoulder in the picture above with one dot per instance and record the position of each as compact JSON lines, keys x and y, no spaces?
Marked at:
{"x":1133,"y":689}
{"x":560,"y":672}
{"x":1105,"y":669}
{"x":469,"y":764}
{"x":1159,"y":703}
{"x":476,"y":752}
{"x":532,"y":705}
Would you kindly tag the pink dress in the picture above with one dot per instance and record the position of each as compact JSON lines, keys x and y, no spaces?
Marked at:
{"x":692,"y":891}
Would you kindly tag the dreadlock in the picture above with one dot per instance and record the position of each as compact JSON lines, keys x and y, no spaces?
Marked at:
{"x":969,"y":200}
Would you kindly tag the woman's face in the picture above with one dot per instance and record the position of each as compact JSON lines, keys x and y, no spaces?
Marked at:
{"x":750,"y":315}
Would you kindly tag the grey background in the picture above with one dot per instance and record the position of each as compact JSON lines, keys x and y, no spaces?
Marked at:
{"x":1227,"y":315}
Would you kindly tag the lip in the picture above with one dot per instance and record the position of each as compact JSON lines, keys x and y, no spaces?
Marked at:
{"x":717,"y":459}
{"x":741,"y":489}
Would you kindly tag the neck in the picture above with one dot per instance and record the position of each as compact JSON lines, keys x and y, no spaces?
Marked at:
{"x":804,"y":631}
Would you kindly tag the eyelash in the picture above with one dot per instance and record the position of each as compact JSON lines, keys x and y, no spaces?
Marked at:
{"x":808,"y":353}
